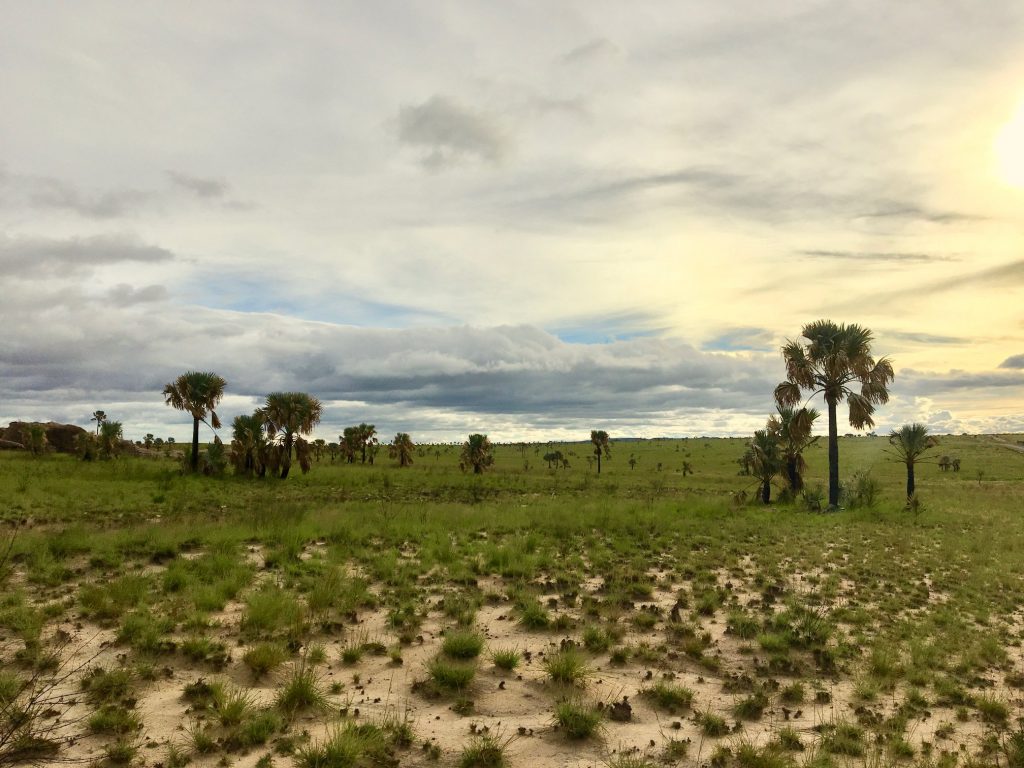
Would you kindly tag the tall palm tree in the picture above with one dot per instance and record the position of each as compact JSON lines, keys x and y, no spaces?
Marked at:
{"x":292,"y":414}
{"x":910,"y":443}
{"x":99,"y":417}
{"x":477,"y":452}
{"x":835,"y":358}
{"x":402,"y":448}
{"x":602,"y":445}
{"x":197,"y":392}
{"x":793,"y":428}
{"x":766,"y":460}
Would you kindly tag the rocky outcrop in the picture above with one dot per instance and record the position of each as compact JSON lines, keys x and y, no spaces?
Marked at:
{"x":59,"y":437}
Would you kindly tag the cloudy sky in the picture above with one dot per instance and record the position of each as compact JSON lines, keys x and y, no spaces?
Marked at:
{"x":526,"y":218}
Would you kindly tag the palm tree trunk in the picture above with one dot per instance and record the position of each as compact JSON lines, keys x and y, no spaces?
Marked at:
{"x":599,"y":462}
{"x":195,"y":445}
{"x":910,"y":479}
{"x":791,"y":474}
{"x":766,"y":492}
{"x":833,"y":453}
{"x":286,"y":460}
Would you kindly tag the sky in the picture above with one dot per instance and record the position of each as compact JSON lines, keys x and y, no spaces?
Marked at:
{"x":530,"y":219}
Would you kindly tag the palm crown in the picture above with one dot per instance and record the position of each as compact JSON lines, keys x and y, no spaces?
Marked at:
{"x":197,"y":393}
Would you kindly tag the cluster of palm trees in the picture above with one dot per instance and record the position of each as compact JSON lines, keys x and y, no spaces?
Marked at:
{"x":265,"y":441}
{"x":105,"y":443}
{"x":834,"y":361}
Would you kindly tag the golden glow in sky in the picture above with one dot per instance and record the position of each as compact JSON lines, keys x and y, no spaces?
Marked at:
{"x":1009,"y":146}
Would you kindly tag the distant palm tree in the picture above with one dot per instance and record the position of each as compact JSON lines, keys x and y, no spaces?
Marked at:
{"x":35,"y":438}
{"x":291,"y":414}
{"x":602,"y":446}
{"x":835,"y":357}
{"x":110,"y":437}
{"x":477,"y":452}
{"x":367,"y":436}
{"x":910,"y":443}
{"x":766,"y":460}
{"x":793,"y":428}
{"x":402,"y":448}
{"x":198,"y":393}
{"x":99,"y":417}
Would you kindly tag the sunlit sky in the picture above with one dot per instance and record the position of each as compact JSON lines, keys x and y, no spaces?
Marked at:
{"x":525,"y":218}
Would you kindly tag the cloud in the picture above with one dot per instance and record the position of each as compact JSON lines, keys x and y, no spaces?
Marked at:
{"x":449,"y":133}
{"x":897,"y":257}
{"x":925,"y":338}
{"x":741,"y":339}
{"x":51,"y":193}
{"x":1015,"y":361}
{"x":1010,"y":273}
{"x":200,"y":187}
{"x":32,"y":257}
{"x":125,"y":295}
{"x":599,"y":48}
{"x":890,"y":209}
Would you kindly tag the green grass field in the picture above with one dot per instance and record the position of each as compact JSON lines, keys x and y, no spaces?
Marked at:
{"x":175,"y":618}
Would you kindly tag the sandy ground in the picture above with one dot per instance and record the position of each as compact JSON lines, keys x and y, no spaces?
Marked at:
{"x":516,"y":705}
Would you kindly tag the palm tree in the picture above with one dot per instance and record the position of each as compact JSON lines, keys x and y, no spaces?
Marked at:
{"x":909,"y":444}
{"x":367,"y":435}
{"x":99,"y":417}
{"x":835,"y":358}
{"x":197,"y":392}
{"x":111,"y":435}
{"x":601,"y":446}
{"x":766,"y":460}
{"x":292,"y":414}
{"x":793,"y":428}
{"x":477,"y":452}
{"x":350,"y":443}
{"x":35,"y":438}
{"x":402,"y":448}
{"x":248,"y":442}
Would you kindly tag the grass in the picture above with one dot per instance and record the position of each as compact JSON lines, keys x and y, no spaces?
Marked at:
{"x":912,"y":611}
{"x":462,"y":644}
{"x":484,"y":751}
{"x":449,"y":675}
{"x":567,"y":666}
{"x":669,"y":697}
{"x":577,"y":719}
{"x":301,"y":690}
{"x":506,"y":659}
{"x":264,"y":657}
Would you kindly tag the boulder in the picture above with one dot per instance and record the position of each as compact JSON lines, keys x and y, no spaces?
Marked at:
{"x":59,"y":437}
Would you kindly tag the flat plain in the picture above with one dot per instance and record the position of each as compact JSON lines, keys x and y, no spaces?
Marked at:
{"x":655,"y":614}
